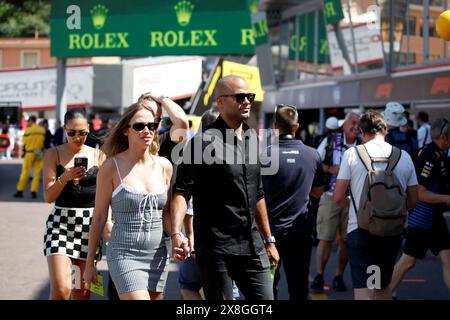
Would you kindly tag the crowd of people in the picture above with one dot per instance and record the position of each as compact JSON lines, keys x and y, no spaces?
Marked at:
{"x":213,"y":201}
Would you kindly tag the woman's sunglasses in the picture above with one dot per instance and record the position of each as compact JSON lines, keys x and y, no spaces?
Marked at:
{"x":240,"y":97}
{"x":81,"y":133}
{"x":139,"y":126}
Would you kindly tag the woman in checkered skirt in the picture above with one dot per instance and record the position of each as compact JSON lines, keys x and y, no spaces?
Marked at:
{"x":135,"y":182}
{"x":73,"y":191}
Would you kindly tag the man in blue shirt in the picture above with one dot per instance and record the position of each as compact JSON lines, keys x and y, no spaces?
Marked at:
{"x":427,"y":228}
{"x":287,"y":195}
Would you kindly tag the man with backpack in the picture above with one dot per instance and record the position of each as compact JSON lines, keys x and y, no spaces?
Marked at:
{"x":383,"y":187}
{"x":330,"y":217}
{"x":427,"y":228}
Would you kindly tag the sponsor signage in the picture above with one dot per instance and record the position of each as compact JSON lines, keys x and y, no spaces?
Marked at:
{"x":36,"y":88}
{"x":423,"y":87}
{"x":151,"y":28}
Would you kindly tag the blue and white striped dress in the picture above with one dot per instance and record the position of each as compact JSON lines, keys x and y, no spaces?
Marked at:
{"x":137,"y":253}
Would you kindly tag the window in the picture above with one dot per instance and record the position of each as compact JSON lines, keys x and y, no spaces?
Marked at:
{"x":411,"y":25}
{"x":29,"y":59}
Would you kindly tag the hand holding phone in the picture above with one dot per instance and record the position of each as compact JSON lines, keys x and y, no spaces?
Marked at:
{"x":80,"y":162}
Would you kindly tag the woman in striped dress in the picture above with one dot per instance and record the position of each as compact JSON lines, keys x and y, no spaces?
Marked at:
{"x":73,"y":191}
{"x":134,"y":181}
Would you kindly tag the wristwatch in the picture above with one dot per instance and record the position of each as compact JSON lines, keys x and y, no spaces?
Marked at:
{"x":270,"y":239}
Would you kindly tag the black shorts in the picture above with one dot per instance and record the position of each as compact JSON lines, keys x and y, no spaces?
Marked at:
{"x":365,"y":250}
{"x":419,"y":240}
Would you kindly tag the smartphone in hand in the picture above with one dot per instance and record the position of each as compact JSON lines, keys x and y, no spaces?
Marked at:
{"x":81,"y":162}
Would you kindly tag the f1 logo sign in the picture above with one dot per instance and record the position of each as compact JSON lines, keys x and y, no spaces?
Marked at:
{"x":384,"y":90}
{"x":440,"y":85}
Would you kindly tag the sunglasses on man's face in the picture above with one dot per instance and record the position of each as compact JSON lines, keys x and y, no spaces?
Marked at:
{"x":81,"y":133}
{"x":240,"y":97}
{"x":139,"y":126}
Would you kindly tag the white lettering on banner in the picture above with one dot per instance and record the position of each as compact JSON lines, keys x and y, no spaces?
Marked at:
{"x":37,"y":88}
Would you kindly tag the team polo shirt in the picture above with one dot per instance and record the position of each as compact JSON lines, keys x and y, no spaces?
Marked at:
{"x":432,"y":172}
{"x":287,"y":191}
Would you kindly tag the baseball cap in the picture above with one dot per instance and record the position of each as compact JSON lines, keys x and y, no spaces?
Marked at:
{"x":394,"y":114}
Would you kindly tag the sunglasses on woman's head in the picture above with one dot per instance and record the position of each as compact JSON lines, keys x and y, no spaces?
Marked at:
{"x":81,"y":133}
{"x":139,"y":126}
{"x":240,"y":97}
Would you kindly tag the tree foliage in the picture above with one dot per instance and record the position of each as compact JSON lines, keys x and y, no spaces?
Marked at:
{"x":24,"y":18}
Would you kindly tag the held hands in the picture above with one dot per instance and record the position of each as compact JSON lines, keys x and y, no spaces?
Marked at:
{"x":180,"y":247}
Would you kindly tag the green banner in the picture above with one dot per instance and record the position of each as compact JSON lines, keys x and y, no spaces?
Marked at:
{"x":150,"y":27}
{"x":333,"y":11}
{"x":260,"y":28}
{"x":306,"y":36}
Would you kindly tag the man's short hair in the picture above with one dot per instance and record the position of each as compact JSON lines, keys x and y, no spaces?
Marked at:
{"x":286,"y":117}
{"x":423,"y":116}
{"x":372,"y":122}
{"x":32,"y":118}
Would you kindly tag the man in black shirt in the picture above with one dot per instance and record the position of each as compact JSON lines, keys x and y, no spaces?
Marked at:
{"x":222,"y":175}
{"x":287,"y":193}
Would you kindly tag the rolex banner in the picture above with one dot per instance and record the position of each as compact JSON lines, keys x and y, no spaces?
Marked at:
{"x":150,"y":28}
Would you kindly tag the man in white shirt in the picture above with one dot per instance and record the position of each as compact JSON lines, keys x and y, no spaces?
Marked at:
{"x":366,"y":250}
{"x":423,"y":134}
{"x":330,"y":217}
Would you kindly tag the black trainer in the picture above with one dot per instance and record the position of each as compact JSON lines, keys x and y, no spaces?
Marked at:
{"x":18,"y":194}
{"x":34,"y":195}
{"x":338,"y":284}
{"x":318,"y":284}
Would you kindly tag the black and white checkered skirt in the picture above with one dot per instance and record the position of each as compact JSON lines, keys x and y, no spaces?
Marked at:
{"x":67,"y":232}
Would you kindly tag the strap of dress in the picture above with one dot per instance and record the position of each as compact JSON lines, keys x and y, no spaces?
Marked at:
{"x":117,"y":167}
{"x":57,"y":154}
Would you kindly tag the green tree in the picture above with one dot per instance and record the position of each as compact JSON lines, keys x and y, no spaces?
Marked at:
{"x":24,"y":18}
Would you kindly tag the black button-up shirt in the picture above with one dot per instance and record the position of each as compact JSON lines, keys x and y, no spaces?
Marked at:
{"x":224,"y":191}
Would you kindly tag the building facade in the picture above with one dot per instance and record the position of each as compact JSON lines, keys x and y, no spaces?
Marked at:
{"x":327,"y":56}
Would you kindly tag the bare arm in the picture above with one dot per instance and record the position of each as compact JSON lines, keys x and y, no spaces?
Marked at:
{"x":189,"y":228}
{"x":178,"y":130}
{"x":52,"y":186}
{"x":340,"y":193}
{"x":168,"y":169}
{"x":412,"y":197}
{"x":262,"y":222}
{"x":427,"y":196}
{"x":179,"y":207}
{"x":103,"y":196}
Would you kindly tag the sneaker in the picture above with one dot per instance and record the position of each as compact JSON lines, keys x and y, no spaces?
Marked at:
{"x":318,"y":284}
{"x":18,"y":194}
{"x":34,"y":195}
{"x":338,"y":284}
